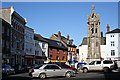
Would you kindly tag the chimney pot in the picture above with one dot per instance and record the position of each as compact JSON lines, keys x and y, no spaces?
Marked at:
{"x":59,"y":34}
{"x":108,"y":28}
{"x":68,"y":37}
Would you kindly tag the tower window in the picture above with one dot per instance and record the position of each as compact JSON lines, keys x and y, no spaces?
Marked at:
{"x":96,"y":44}
{"x":92,"y":30}
{"x":96,"y":30}
{"x":92,"y":15}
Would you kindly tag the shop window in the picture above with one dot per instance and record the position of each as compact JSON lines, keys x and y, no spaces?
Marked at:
{"x":57,"y":58}
{"x":63,"y":58}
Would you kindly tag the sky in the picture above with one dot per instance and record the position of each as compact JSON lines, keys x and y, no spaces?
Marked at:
{"x":47,"y":18}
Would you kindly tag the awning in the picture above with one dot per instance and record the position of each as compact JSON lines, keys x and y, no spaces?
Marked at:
{"x":40,"y":57}
{"x":58,"y":60}
{"x":29,"y":56}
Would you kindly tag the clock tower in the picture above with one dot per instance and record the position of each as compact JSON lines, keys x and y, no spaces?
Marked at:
{"x":93,"y":39}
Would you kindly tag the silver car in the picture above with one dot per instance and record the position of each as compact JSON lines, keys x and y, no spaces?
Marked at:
{"x":50,"y":70}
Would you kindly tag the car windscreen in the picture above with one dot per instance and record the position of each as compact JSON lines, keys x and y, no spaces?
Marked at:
{"x":37,"y":67}
{"x":6,"y":66}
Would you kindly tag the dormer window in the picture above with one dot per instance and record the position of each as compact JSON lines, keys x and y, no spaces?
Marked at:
{"x":59,"y":44}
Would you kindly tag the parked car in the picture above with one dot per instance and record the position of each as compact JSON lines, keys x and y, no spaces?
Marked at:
{"x":26,"y":67}
{"x":80,"y":65}
{"x":18,"y":68}
{"x":7,"y":69}
{"x":50,"y":70}
{"x":104,"y":65}
{"x":63,"y":65}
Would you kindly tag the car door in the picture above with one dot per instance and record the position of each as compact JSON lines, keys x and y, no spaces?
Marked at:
{"x":98,"y":65}
{"x":91,"y":65}
{"x":57,"y":70}
{"x":48,"y":70}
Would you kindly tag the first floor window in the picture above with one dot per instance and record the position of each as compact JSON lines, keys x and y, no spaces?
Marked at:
{"x":112,"y":43}
{"x":112,"y":52}
{"x":50,"y":49}
{"x":57,"y":50}
{"x":3,"y":43}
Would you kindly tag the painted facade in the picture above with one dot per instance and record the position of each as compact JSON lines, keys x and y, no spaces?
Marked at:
{"x":113,"y":44}
{"x":72,"y":54}
{"x":29,"y":46}
{"x":41,"y":49}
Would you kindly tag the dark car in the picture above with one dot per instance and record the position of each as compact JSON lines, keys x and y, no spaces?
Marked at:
{"x":7,"y":69}
{"x":63,"y":65}
{"x":18,"y":68}
{"x":26,"y":67}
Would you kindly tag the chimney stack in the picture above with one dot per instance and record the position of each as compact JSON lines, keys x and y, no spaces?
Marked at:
{"x":59,"y":34}
{"x":71,"y":42}
{"x":108,"y":28}
{"x":68,"y":37}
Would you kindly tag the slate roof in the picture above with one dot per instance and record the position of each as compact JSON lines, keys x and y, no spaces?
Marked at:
{"x":64,"y":39}
{"x":84,"y":41}
{"x":39,"y":38}
{"x":71,"y":45}
{"x":55,"y":44}
{"x":117,"y":30}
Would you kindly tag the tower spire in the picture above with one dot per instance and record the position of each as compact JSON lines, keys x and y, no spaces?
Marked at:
{"x":93,"y":7}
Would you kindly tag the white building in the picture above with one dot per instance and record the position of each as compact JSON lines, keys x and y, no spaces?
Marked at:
{"x":29,"y":45}
{"x":113,"y":44}
{"x":83,"y":49}
{"x":41,"y":49}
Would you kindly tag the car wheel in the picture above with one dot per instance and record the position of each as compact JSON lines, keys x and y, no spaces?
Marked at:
{"x":68,"y":74}
{"x":42,"y":76}
{"x":106,"y":70}
{"x":85,"y":70}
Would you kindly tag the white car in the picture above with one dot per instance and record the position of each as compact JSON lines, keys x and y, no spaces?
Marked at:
{"x":50,"y":70}
{"x":104,"y":65}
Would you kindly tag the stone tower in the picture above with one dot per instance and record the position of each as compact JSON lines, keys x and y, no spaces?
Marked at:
{"x":94,"y":36}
